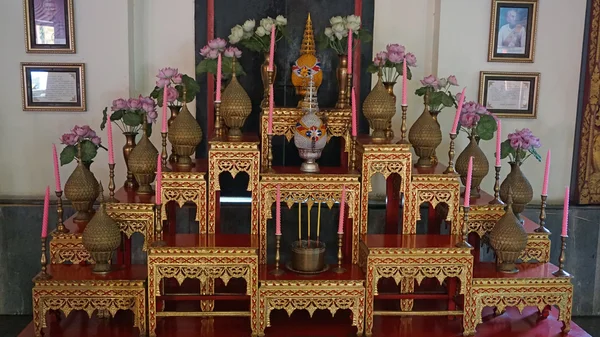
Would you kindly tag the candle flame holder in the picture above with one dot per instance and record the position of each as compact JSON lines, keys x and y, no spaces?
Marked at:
{"x":465,"y":229}
{"x":111,"y":184}
{"x":353,"y":155}
{"x":497,"y":200}
{"x":277,"y":271}
{"x":542,"y":228}
{"x":450,"y":169}
{"x":561,"y":260}
{"x":349,"y":90}
{"x":43,"y":275}
{"x":339,"y":269}
{"x":403,"y":127}
{"x":218,"y":122}
{"x":60,"y":227}
{"x":158,"y":228}
{"x":163,"y":153}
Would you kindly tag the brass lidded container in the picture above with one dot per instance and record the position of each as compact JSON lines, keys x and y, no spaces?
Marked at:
{"x":379,"y":108}
{"x":142,"y":163}
{"x":425,"y":136}
{"x":82,"y":190}
{"x":235,"y":106}
{"x":101,"y":237}
{"x":481,"y":165}
{"x":522,"y":192}
{"x":184,"y":134}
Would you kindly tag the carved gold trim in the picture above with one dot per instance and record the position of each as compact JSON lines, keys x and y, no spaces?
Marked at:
{"x":183,"y":187}
{"x":134,"y":218}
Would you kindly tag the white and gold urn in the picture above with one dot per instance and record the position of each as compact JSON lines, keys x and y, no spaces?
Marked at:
{"x":310,"y":135}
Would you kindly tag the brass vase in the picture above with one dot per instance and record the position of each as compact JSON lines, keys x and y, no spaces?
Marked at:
{"x":379,"y":108}
{"x":389,"y":86}
{"x":185,"y":135}
{"x":481,"y":165}
{"x":130,"y":184}
{"x":101,"y":237}
{"x":235,"y":106}
{"x":142,"y":162}
{"x":508,"y":239}
{"x":522,"y":192}
{"x":342,"y":80}
{"x":264,"y":76}
{"x":82,"y":189}
{"x":174,"y":112}
{"x":425,"y":136}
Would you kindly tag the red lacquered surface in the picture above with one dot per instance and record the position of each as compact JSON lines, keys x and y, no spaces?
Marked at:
{"x":132,"y":197}
{"x":526,"y":270}
{"x":245,"y":138}
{"x":509,"y":324}
{"x":77,"y":272}
{"x":324,"y":170}
{"x":353,"y":272}
{"x":411,"y":241}
{"x":212,"y":240}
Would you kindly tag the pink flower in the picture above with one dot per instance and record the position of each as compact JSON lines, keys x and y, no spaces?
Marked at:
{"x":469,"y":107}
{"x":90,"y":134}
{"x":217,"y":44}
{"x":411,"y":59}
{"x":177,"y":79}
{"x":146,"y":100}
{"x":134,"y":104}
{"x":430,"y":81}
{"x":515,"y":140}
{"x":162,"y":82}
{"x":395,"y":57}
{"x":469,"y":120}
{"x":82,"y":131}
{"x":204,"y":51}
{"x":172,"y":94}
{"x":380,"y":58}
{"x":213,"y":54}
{"x":167,"y":73}
{"x":151,"y":116}
{"x":69,"y":139}
{"x":395,"y":48}
{"x":96,"y":140}
{"x":452,"y":80}
{"x":119,"y":104}
{"x":233,"y":51}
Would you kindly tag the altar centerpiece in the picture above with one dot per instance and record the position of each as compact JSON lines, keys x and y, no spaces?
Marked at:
{"x":310,"y":135}
{"x":307,"y":65}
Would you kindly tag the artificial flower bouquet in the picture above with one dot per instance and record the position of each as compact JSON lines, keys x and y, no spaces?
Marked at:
{"x":82,"y":136}
{"x":391,"y":60}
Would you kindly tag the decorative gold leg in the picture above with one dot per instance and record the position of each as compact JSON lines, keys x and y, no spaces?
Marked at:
{"x":450,"y":169}
{"x":60,"y":227}
{"x":497,"y":200}
{"x":339,"y":269}
{"x":561,"y":260}
{"x":158,"y":230}
{"x":42,"y":275}
{"x":277,"y":271}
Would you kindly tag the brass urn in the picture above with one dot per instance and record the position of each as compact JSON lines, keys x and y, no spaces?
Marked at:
{"x":508,"y":239}
{"x":82,"y":189}
{"x":481,"y":165}
{"x":142,"y":162}
{"x":101,"y":237}
{"x":184,"y":134}
{"x":425,"y":136}
{"x":379,"y":108}
{"x":235,"y":106}
{"x":522,"y":192}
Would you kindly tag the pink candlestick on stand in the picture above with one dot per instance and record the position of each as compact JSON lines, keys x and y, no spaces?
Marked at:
{"x":404,"y":83}
{"x":354,"y":129}
{"x":219,"y":70}
{"x":56,"y":170}
{"x":350,"y":55}
{"x":498,"y":143}
{"x":45,"y":214}
{"x":461,"y":100}
{"x":468,"y":184}
{"x":278,"y":213}
{"x":111,"y":151}
{"x":271,"y":104}
{"x":158,"y":187}
{"x":164,"y":111}
{"x":546,"y":174}
{"x":565,"y":222}
{"x":342,"y":211}
{"x":272,"y":48}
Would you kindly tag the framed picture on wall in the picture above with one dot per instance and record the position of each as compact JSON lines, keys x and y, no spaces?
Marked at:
{"x":512,"y":31}
{"x":49,"y":26}
{"x":508,"y":94}
{"x":53,"y":86}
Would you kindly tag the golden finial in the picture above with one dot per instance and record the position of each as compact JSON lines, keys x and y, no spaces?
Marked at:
{"x":308,"y":40}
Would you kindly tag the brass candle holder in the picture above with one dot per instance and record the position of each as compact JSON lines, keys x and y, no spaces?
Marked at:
{"x":43,"y":275}
{"x":353,"y":155}
{"x":277,"y":271}
{"x":465,"y":229}
{"x":497,"y":200}
{"x":60,"y":227}
{"x":158,"y":229}
{"x":561,"y":260}
{"x":403,"y":126}
{"x":270,"y":153}
{"x":218,"y":126}
{"x":339,"y":269}
{"x":542,"y":228}
{"x":349,"y":90}
{"x":111,"y":183}
{"x":450,"y":169}
{"x":163,"y":153}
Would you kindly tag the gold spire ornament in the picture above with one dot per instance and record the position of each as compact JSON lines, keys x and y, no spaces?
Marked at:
{"x":379,"y":108}
{"x":142,"y":162}
{"x":307,"y":64}
{"x":235,"y":106}
{"x":184,"y":134}
{"x":81,"y":189}
{"x":308,"y":39}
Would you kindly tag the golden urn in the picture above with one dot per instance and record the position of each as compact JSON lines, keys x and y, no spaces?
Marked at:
{"x":185,"y":134}
{"x":142,"y":162}
{"x":307,"y":64}
{"x":379,"y":108}
{"x":81,"y":189}
{"x":101,"y":237}
{"x":522,"y":192}
{"x":508,"y":239}
{"x":481,"y":165}
{"x":425,"y":136}
{"x":235,"y":106}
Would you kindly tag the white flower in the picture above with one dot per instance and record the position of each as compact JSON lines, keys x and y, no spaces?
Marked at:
{"x":336,"y":19}
{"x":353,"y":22}
{"x":442,"y":82}
{"x":267,"y":23}
{"x":237,"y":33}
{"x":249,"y":25}
{"x":280,"y":20}
{"x":260,"y":31}
{"x":339,"y":30}
{"x":329,"y":32}
{"x":247,"y":35}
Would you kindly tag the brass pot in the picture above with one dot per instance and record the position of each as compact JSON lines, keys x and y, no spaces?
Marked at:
{"x":130,"y":184}
{"x":142,"y":162}
{"x":174,"y":112}
{"x":82,"y":189}
{"x":379,"y":108}
{"x":480,"y":165}
{"x":308,"y":257}
{"x":342,"y":80}
{"x":425,"y":136}
{"x":508,"y":239}
{"x":235,"y":106}
{"x":185,"y":135}
{"x":101,"y":237}
{"x":522,"y":192}
{"x":264,"y":76}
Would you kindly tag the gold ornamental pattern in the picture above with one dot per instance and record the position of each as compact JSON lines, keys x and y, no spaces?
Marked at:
{"x":537,"y":249}
{"x":68,"y":248}
{"x":482,"y":218}
{"x":183,"y":187}
{"x":134,"y":218}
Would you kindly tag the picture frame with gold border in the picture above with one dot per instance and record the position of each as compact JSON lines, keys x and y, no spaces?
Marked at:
{"x":49,"y":26}
{"x":53,"y":87}
{"x":513,"y":26}
{"x":510,"y":94}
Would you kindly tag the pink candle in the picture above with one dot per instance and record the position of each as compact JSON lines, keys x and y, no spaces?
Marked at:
{"x":468,"y":184}
{"x":271,"y":104}
{"x":164,"y":111}
{"x":458,"y":111}
{"x":45,"y":214}
{"x":158,"y":187}
{"x":272,"y":48}
{"x":278,"y":212}
{"x":565,"y":214}
{"x":342,"y":211}
{"x":546,"y":174}
{"x":404,"y":83}
{"x":498,"y":143}
{"x":56,"y":170}
{"x":353,"y":113}
{"x":350,"y":55}
{"x":218,"y":90}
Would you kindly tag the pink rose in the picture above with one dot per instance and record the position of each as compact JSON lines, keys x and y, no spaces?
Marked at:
{"x":145,"y":100}
{"x":90,"y":134}
{"x":213,"y":54}
{"x":167,"y":73}
{"x":469,"y":107}
{"x":148,"y":107}
{"x":204,"y":51}
{"x":134,"y":104}
{"x":119,"y":104}
{"x":233,"y":51}
{"x":430,"y":81}
{"x":515,"y":140}
{"x":452,"y":80}
{"x":96,"y":140}
{"x":411,"y":59}
{"x":469,"y":120}
{"x":81,"y":131}
{"x":172,"y":94}
{"x":69,"y":139}
{"x":162,"y":82}
{"x":395,"y":48}
{"x":380,"y":58}
{"x":395,"y":57}
{"x":177,"y":79}
{"x":151,"y":116}
{"x":217,"y":44}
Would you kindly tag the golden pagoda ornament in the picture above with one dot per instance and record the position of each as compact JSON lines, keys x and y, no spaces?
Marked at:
{"x":235,"y":106}
{"x":307,"y":64}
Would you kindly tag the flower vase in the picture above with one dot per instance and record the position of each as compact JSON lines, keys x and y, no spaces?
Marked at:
{"x":342,"y":80}
{"x":142,"y":162}
{"x":174,"y":112}
{"x":130,"y":184}
{"x":379,"y":108}
{"x":481,"y":165}
{"x":389,"y":86}
{"x":264,"y":75}
{"x":425,"y":136}
{"x":82,"y":189}
{"x":522,"y":192}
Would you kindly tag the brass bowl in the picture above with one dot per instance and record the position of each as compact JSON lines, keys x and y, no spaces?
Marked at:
{"x":308,"y":256}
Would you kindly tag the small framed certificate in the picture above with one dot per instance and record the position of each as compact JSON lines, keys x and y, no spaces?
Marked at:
{"x":53,"y":86}
{"x":507,"y":94}
{"x":49,"y":26}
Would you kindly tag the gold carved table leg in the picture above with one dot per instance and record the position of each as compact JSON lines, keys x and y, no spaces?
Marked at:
{"x":207,"y":287}
{"x":153,"y":292}
{"x":181,"y":187}
{"x":407,"y":286}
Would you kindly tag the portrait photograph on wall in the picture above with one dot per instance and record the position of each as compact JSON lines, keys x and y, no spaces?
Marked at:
{"x":506,"y":94}
{"x":53,"y":86}
{"x":49,"y":26}
{"x":512,"y":31}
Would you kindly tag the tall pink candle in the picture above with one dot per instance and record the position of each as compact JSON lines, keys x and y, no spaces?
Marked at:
{"x":45,"y":214}
{"x":404,"y":83}
{"x":498,"y":143}
{"x":278,"y":212}
{"x":565,"y":214}
{"x":219,"y":70}
{"x":458,"y":111}
{"x":164,"y":111}
{"x":354,"y":131}
{"x":271,"y":104}
{"x":342,"y":211}
{"x":158,"y":187}
{"x":468,"y":184}
{"x":350,"y":54}
{"x":546,"y":174}
{"x":56,"y":170}
{"x":272,"y":48}
{"x":111,"y":151}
